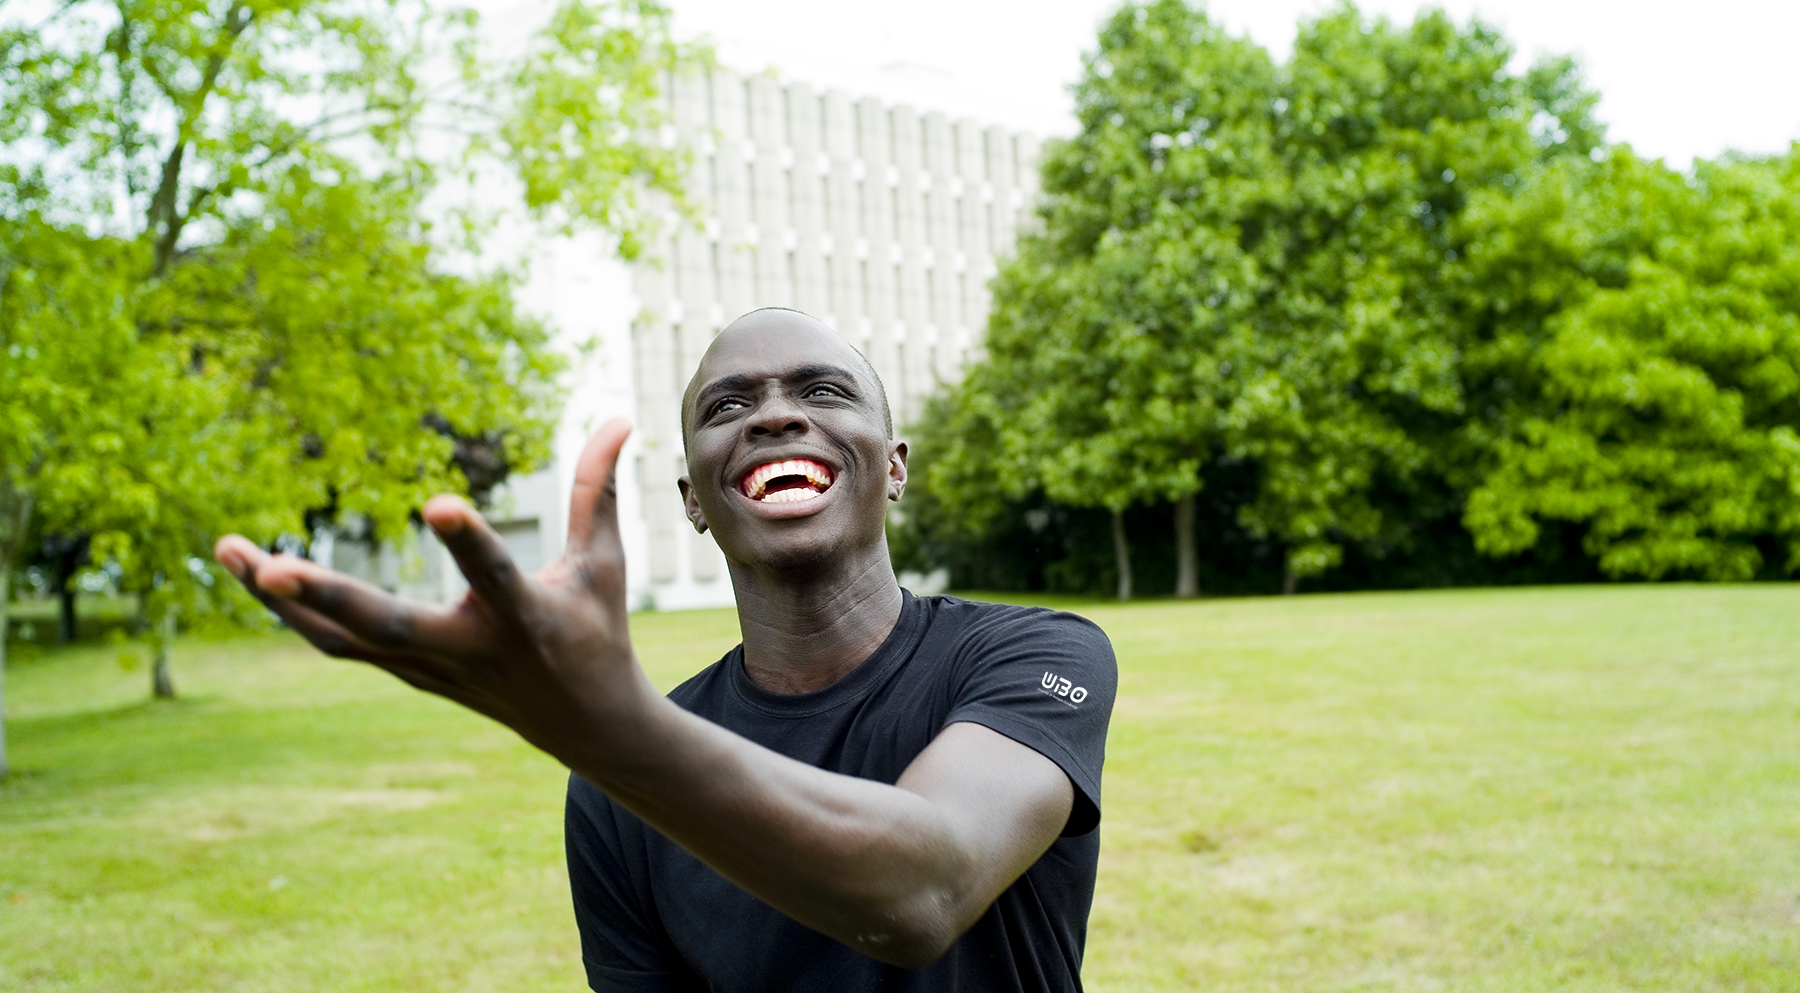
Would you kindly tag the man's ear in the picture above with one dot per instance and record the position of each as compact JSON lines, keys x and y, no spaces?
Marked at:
{"x":694,"y":514}
{"x":896,"y":470}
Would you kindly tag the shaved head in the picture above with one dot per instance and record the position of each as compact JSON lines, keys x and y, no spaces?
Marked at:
{"x":783,"y":320}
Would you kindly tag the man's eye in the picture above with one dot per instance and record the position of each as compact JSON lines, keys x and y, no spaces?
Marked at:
{"x":728,"y":403}
{"x":822,"y":389}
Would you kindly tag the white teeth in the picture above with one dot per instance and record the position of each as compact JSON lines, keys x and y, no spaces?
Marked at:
{"x":815,"y":473}
{"x":792,"y":496}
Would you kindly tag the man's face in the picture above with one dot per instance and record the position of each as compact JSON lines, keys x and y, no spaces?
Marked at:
{"x":788,"y":455}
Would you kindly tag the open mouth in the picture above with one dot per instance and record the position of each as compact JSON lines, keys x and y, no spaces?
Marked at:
{"x":786,"y":482}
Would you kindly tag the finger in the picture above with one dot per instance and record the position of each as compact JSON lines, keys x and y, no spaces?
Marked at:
{"x":239,"y":555}
{"x":267,"y":579}
{"x":242,"y":558}
{"x":479,"y":552}
{"x":373,"y":615}
{"x":594,"y":503}
{"x":331,"y":638}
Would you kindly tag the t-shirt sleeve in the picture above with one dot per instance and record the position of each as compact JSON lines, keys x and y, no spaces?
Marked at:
{"x":1045,"y":679}
{"x":622,"y":943}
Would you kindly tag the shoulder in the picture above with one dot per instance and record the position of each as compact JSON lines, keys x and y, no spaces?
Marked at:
{"x":977,"y":625}
{"x":1044,"y":678}
{"x":708,"y":685}
{"x":977,"y":642}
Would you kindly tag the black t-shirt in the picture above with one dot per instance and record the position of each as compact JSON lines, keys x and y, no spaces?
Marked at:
{"x":653,"y":917}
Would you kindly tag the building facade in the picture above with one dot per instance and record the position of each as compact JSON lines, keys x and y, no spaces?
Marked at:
{"x":883,"y":222}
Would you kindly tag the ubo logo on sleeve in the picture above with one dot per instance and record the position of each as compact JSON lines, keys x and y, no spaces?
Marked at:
{"x":1062,"y":689}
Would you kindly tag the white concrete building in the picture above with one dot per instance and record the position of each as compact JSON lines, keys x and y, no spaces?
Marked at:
{"x":884,"y":222}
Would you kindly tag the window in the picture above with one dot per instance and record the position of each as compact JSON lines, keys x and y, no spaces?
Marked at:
{"x":787,"y":182}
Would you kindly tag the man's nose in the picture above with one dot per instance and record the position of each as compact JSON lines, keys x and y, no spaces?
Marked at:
{"x":777,"y":414}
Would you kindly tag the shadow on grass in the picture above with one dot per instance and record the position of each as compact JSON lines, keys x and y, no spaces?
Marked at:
{"x":190,"y":741}
{"x":73,"y":748}
{"x":208,"y":738}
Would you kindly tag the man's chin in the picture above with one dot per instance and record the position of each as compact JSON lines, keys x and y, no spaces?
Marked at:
{"x":816,"y":536}
{"x":796,"y":556}
{"x":796,"y":551}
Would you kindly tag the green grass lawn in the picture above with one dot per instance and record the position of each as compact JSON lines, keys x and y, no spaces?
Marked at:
{"x":1559,"y":789}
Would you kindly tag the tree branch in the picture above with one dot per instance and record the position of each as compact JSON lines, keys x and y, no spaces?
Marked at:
{"x":163,"y":211}
{"x":127,"y":117}
{"x":162,"y":205}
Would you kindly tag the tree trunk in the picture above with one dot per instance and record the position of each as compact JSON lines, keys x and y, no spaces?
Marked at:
{"x":65,"y":614}
{"x":15,"y":517}
{"x":1187,"y":557}
{"x":5,"y":579}
{"x":67,"y":554}
{"x":1290,"y":581}
{"x":1121,"y":554}
{"x":162,"y":683}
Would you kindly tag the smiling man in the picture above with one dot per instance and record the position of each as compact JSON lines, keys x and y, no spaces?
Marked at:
{"x":874,"y":791}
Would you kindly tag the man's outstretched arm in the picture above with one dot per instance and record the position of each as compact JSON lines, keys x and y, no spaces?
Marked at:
{"x":897,"y":872}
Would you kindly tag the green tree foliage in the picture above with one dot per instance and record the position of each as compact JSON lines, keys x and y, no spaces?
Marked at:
{"x":1389,"y":302}
{"x":75,"y":385}
{"x":1238,"y":264}
{"x":1101,"y":385}
{"x":223,"y":304}
{"x":1350,"y":367}
{"x":1639,"y":364}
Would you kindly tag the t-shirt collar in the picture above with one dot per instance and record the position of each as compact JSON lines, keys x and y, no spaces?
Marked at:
{"x":894,"y":649}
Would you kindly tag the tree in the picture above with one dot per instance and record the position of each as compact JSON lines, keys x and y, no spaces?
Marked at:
{"x":1348,"y":377}
{"x":1240,"y":263}
{"x":67,"y":374}
{"x":1098,"y":386}
{"x":1639,"y":363}
{"x":217,"y":266}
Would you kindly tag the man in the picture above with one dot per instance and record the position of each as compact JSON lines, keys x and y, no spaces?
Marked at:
{"x":873,"y":791}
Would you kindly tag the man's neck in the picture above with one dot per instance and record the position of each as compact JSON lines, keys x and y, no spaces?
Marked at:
{"x":802,"y":634}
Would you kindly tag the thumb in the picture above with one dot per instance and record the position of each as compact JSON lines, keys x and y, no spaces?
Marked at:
{"x":594,"y":502}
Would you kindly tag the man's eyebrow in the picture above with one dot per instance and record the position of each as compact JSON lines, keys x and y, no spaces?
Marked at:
{"x":738,"y":381}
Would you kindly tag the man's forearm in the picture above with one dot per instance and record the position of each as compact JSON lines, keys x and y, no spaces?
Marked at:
{"x":882,"y":868}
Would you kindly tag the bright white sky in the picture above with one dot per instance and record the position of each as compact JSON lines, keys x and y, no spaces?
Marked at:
{"x":1677,"y":79}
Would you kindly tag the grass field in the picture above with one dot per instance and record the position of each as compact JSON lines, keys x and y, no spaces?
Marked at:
{"x":1589,"y":789}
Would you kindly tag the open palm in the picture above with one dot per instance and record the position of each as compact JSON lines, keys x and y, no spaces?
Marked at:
{"x":545,"y":654}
